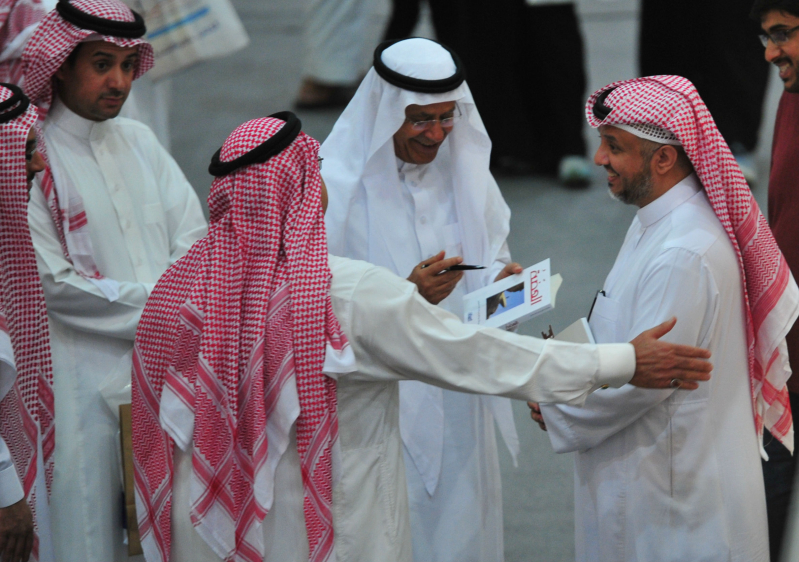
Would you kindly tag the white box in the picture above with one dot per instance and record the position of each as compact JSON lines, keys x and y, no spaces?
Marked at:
{"x":514,"y":299}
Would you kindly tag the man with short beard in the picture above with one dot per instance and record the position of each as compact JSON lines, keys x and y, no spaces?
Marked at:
{"x":779,"y":20}
{"x":111,"y":213}
{"x":669,"y":475}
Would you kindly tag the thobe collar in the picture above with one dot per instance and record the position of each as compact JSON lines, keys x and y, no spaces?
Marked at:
{"x":408,"y":170}
{"x":669,"y":201}
{"x":64,"y":118}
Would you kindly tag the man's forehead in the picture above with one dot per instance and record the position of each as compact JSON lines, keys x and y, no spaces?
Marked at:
{"x":99,"y":47}
{"x":430,"y":109}
{"x":776,"y":19}
{"x":617,"y":134}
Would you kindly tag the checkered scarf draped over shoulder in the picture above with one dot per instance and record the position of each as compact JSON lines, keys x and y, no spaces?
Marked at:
{"x":26,"y":412}
{"x":770,"y":293}
{"x":55,"y":38}
{"x":230,"y":329}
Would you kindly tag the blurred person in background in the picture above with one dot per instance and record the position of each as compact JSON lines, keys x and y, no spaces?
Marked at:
{"x":711,"y":42}
{"x":779,"y":21}
{"x":337,"y":46}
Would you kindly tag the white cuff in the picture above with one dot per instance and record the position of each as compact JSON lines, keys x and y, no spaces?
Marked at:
{"x":616,"y":365}
{"x":10,"y":487}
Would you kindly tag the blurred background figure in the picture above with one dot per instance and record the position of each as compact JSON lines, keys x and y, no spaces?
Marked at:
{"x":712,"y":43}
{"x":524,"y":60}
{"x":338,"y":41}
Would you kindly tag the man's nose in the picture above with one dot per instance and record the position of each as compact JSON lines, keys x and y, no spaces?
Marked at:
{"x":436,"y":133}
{"x":601,"y":157}
{"x":115,"y":78}
{"x":773,"y":52}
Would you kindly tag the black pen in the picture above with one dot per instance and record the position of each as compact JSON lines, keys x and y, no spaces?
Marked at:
{"x":459,"y":267}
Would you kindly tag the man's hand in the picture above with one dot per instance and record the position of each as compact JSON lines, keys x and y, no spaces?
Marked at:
{"x":535,"y":413}
{"x":666,"y":365}
{"x":16,"y":532}
{"x":508,"y":270}
{"x":434,"y":285}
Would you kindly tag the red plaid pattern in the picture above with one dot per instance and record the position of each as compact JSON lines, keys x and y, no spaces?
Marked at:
{"x":770,"y":293}
{"x":244,"y":312}
{"x":27,"y":411}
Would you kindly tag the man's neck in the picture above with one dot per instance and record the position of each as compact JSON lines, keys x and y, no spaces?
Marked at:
{"x":664,"y":184}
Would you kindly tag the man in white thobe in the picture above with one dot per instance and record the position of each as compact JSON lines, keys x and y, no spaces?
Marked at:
{"x":410,"y":190}
{"x":128,"y":214}
{"x":670,"y":475}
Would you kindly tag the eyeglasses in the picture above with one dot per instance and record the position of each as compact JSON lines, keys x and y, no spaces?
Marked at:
{"x":319,"y":161}
{"x":447,"y":123}
{"x":779,"y":37}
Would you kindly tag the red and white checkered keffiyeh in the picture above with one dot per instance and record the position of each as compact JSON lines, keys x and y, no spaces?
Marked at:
{"x":232,"y":332}
{"x":45,"y":52}
{"x":770,"y":293}
{"x":27,"y":411}
{"x":16,"y":16}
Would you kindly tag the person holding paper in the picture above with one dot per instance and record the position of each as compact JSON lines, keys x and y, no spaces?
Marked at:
{"x":410,"y":189}
{"x":244,"y":449}
{"x":108,"y":216}
{"x":671,"y":475}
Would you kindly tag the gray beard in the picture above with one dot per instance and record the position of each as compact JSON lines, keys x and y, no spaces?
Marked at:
{"x":635,"y":190}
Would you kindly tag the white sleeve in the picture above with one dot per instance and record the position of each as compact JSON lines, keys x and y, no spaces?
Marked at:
{"x":661,"y":294}
{"x":396,"y":334}
{"x":71,"y":299}
{"x":185,"y":220}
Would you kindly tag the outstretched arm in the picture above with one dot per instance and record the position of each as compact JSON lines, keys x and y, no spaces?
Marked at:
{"x":396,"y":335}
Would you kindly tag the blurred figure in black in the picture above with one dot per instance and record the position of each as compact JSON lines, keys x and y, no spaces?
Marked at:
{"x":713,"y":43}
{"x":524,"y":60}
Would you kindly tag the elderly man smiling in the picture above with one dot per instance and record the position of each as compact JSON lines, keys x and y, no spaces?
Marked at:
{"x":407,"y":167}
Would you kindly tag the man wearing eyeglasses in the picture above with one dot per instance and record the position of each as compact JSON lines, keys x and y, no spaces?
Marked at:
{"x":779,"y":20}
{"x":410,"y":190}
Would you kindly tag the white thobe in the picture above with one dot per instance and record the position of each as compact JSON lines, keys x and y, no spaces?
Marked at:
{"x":664,"y":475}
{"x":339,"y":36}
{"x":452,"y":465}
{"x":143,"y":215}
{"x":397,"y":335}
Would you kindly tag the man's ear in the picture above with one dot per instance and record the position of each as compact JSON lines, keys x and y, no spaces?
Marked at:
{"x":59,"y":74}
{"x":666,"y":159}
